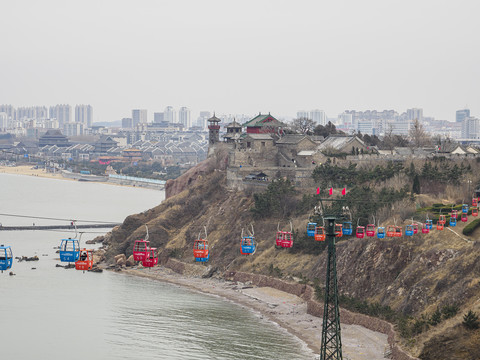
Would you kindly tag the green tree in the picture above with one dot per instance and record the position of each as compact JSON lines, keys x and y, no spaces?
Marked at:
{"x":470,"y":320}
{"x":416,"y":185}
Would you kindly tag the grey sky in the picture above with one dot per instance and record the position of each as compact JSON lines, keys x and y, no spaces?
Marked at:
{"x":241,"y":56}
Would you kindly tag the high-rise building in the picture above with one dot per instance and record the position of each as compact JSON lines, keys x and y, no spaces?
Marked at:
{"x":31,"y":112}
{"x":84,"y":115}
{"x":202,"y":119}
{"x":127,"y":123}
{"x":169,"y":115}
{"x":73,"y":129}
{"x":471,"y":128}
{"x":3,"y":121}
{"x":461,"y":115}
{"x":62,"y":113}
{"x":345,"y":119}
{"x":184,"y":117}
{"x":158,"y":117}
{"x":139,"y":116}
{"x":8,"y":109}
{"x":318,"y":116}
{"x":302,"y":114}
{"x":415,"y":114}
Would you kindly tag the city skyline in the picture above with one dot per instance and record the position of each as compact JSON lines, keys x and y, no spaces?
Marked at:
{"x":252,"y":57}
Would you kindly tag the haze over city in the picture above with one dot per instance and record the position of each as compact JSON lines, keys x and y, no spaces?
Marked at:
{"x":245,"y":57}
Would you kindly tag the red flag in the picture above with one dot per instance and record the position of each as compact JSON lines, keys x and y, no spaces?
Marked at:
{"x":330,"y":192}
{"x":344,"y":191}
{"x":318,"y":191}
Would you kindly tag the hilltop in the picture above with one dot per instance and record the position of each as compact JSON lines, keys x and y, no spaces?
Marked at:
{"x":407,"y":280}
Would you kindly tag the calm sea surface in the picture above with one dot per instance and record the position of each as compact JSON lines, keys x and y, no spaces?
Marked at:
{"x":53,"y":313}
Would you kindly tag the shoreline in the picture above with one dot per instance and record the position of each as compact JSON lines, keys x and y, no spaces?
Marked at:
{"x":28,"y":170}
{"x":281,"y":308}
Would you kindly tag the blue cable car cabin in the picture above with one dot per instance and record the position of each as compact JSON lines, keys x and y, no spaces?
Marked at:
{"x":409,"y":230}
{"x":311,"y":229}
{"x":429,"y":224}
{"x":465,"y":208}
{"x":453,"y":221}
{"x":380,"y":232}
{"x":248,"y":245}
{"x":347,"y":228}
{"x":69,"y":250}
{"x":6,"y":257}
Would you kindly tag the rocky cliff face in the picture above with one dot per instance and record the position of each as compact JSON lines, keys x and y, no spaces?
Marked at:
{"x":412,"y":275}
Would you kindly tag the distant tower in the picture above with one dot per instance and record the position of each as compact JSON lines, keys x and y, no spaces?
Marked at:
{"x":213,"y":130}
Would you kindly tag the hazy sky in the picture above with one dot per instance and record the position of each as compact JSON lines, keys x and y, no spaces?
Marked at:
{"x":241,"y":56}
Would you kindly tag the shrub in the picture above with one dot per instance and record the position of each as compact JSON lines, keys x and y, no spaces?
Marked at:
{"x":436,"y":317}
{"x":449,"y":311}
{"x":470,"y":320}
{"x":470,"y":228}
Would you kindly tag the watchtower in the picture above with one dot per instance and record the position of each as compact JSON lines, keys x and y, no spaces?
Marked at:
{"x":213,"y":130}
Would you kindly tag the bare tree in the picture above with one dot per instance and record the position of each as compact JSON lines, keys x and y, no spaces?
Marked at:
{"x":303,"y":125}
{"x":418,"y":136}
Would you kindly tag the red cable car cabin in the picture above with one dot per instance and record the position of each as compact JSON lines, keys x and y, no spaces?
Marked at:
{"x":338,"y":230}
{"x":474,"y":201}
{"x":415,"y":228}
{"x":475,"y":211}
{"x":390,"y":231}
{"x":360,"y":232}
{"x":370,"y":230}
{"x":85,"y":261}
{"x":150,"y":259}
{"x":319,"y":233}
{"x":442,"y":220}
{"x":398,"y":231}
{"x":200,"y":250}
{"x":464,"y":217}
{"x":439,"y":226}
{"x":287,"y":239}
{"x":140,"y":249}
{"x":425,"y":229}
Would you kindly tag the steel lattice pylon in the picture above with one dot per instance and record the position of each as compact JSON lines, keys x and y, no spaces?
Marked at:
{"x":331,"y":347}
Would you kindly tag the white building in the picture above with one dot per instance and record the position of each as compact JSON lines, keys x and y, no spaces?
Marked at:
{"x":63,"y":113}
{"x":184,"y":117}
{"x":3,"y":121}
{"x":73,"y":129}
{"x":415,"y":114}
{"x":319,"y":117}
{"x":302,"y":114}
{"x":169,"y":115}
{"x":202,"y":119}
{"x":139,"y":116}
{"x":84,"y":115}
{"x":471,"y":128}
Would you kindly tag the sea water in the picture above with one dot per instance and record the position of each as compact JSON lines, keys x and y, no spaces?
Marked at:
{"x":54,"y":313}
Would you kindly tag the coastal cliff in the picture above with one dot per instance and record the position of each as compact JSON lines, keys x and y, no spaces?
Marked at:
{"x":412,"y":276}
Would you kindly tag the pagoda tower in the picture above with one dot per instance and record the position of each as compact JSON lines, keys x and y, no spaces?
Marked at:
{"x":213,"y":130}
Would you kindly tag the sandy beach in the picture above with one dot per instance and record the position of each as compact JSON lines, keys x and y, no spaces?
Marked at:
{"x":30,"y":170}
{"x":286,"y":310}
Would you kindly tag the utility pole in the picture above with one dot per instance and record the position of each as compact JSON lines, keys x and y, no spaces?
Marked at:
{"x":331,"y":347}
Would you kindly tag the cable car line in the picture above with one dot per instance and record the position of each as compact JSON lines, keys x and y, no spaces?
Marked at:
{"x":58,"y":219}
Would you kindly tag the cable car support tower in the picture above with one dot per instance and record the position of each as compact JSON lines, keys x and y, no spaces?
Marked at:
{"x":331,"y":346}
